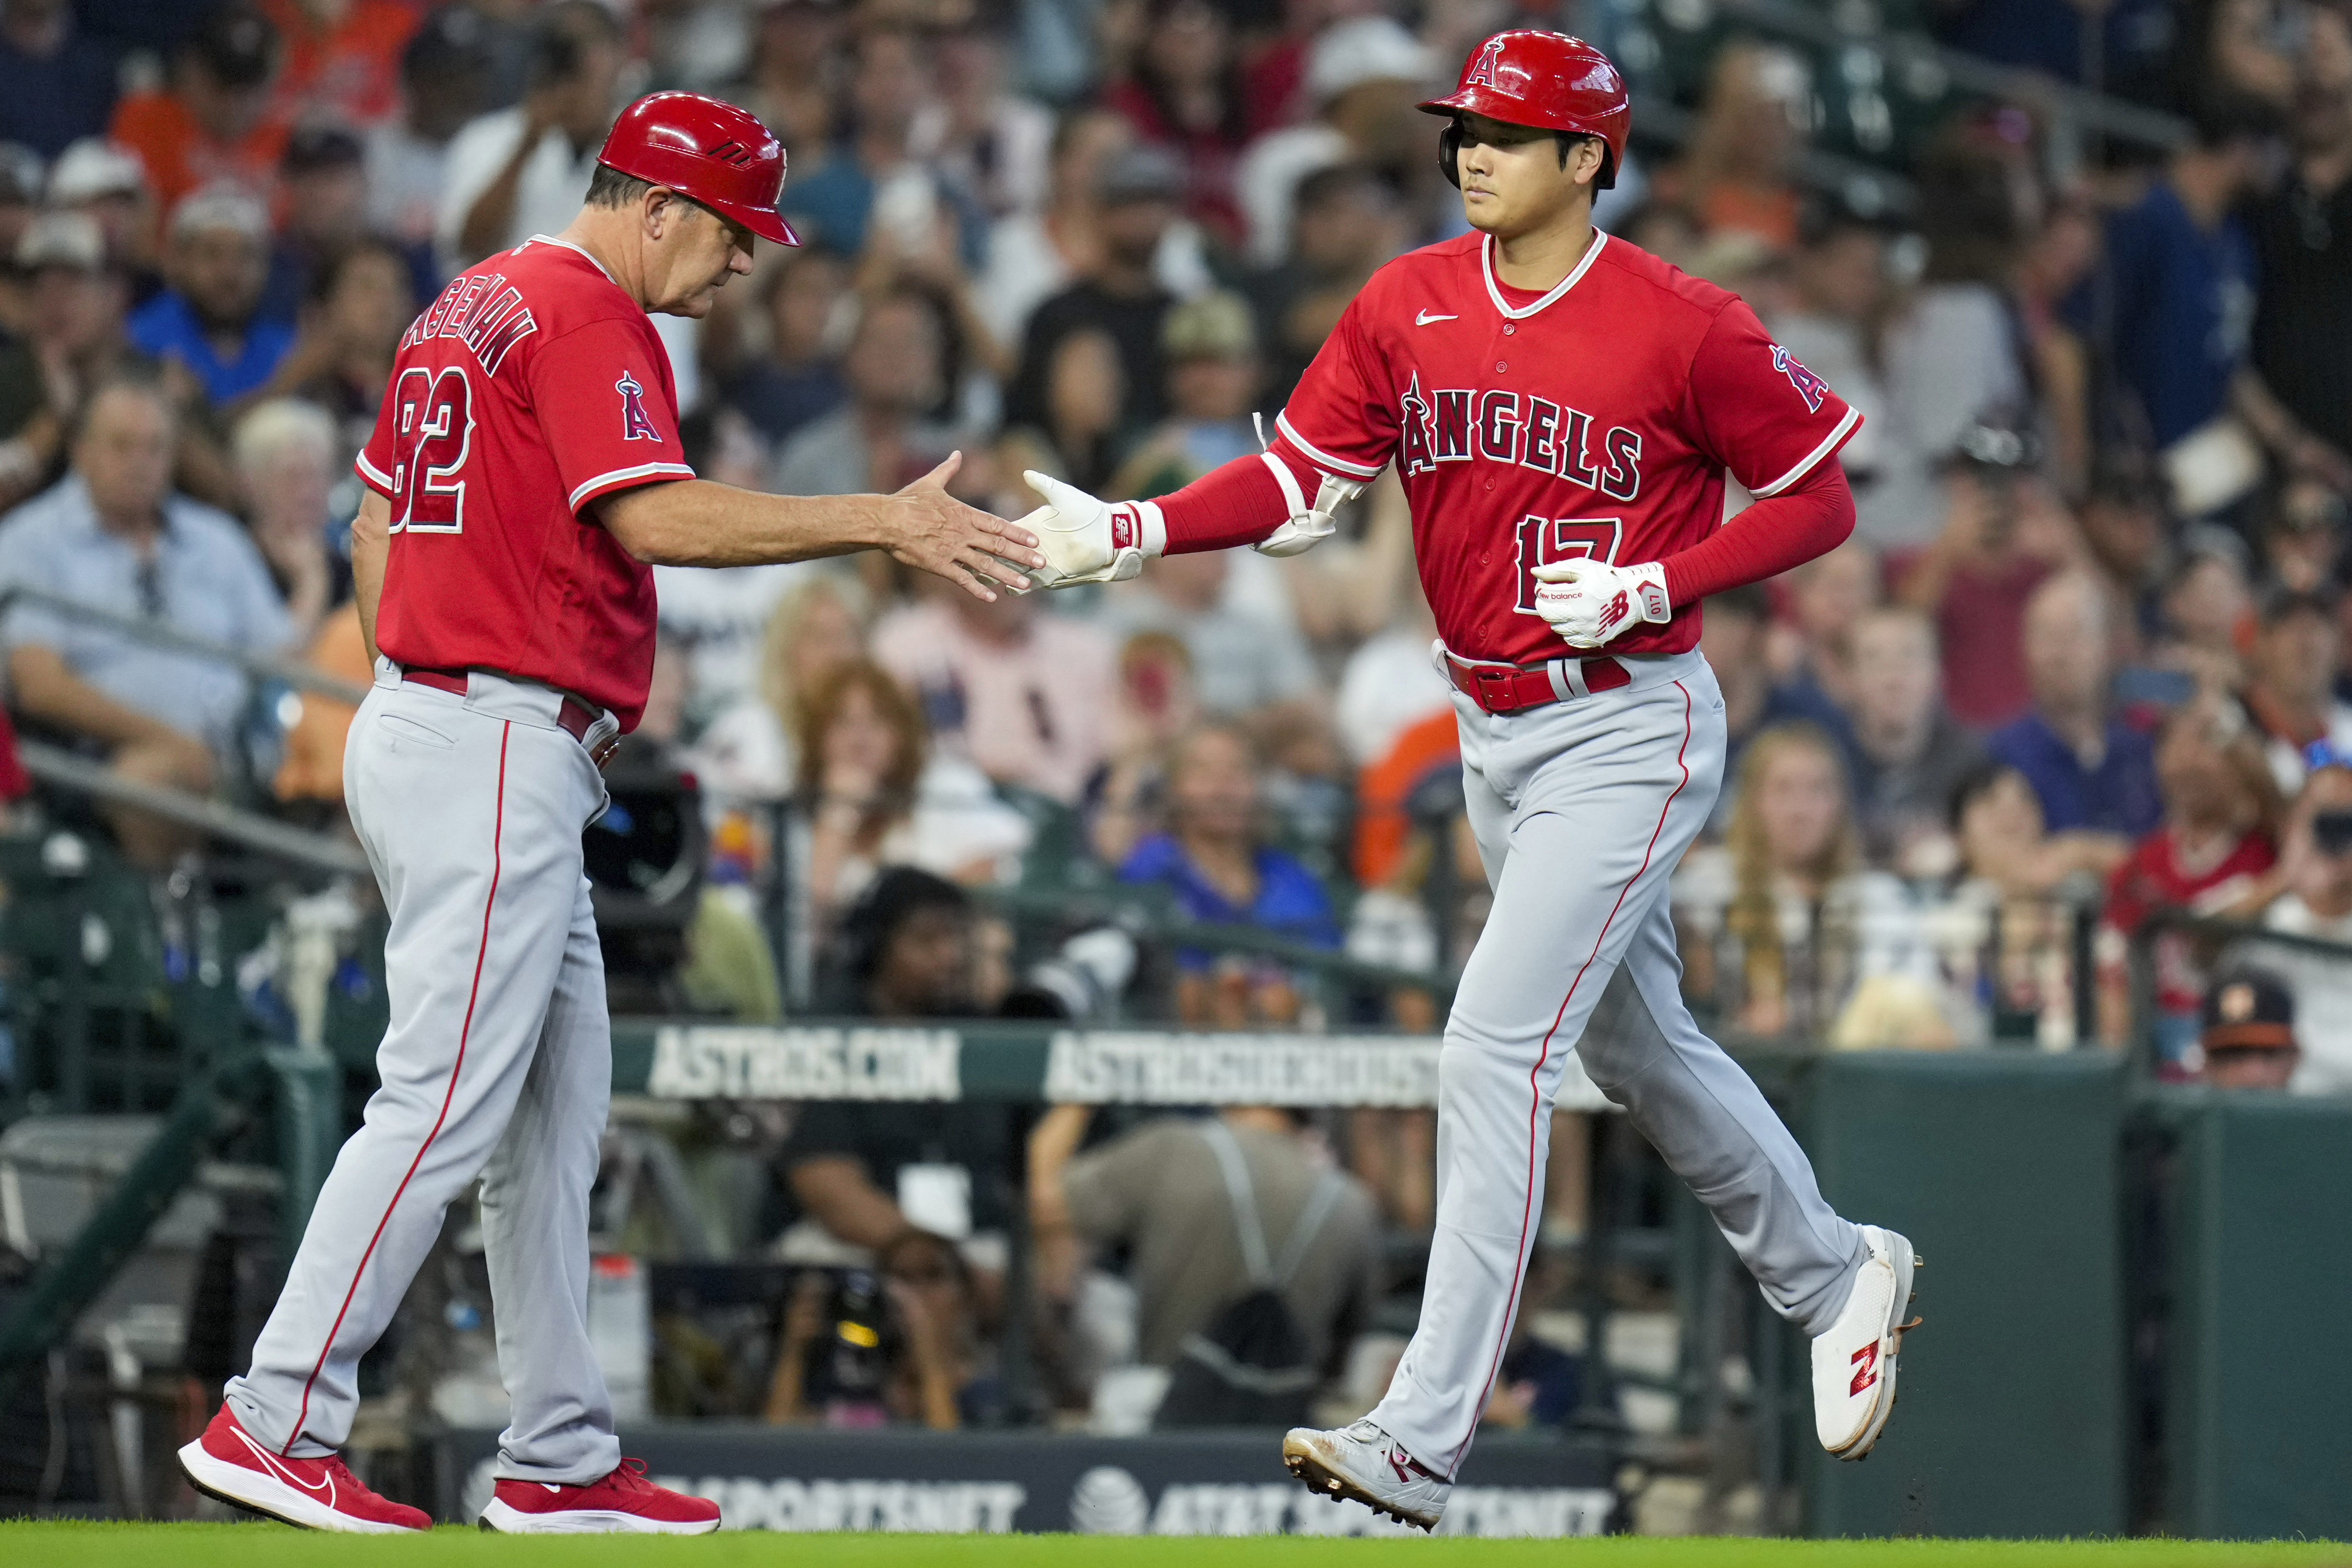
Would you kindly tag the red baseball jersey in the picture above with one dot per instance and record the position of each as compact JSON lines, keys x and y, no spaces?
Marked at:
{"x":1597,"y":420}
{"x":531,"y":386}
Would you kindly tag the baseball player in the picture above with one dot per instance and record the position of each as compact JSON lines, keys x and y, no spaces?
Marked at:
{"x":525,"y":474}
{"x":1561,"y":408}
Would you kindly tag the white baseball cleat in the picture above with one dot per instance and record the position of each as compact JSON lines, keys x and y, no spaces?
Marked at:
{"x":1365,"y":1463}
{"x":1854,"y":1362}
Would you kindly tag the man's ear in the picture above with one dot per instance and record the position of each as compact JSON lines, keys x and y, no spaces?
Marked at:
{"x":660,"y":210}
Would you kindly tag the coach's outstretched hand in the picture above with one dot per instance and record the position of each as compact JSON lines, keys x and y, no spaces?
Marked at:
{"x":932,"y":530}
{"x":1086,"y":539}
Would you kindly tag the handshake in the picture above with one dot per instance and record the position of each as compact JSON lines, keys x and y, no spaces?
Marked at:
{"x":1087,"y":540}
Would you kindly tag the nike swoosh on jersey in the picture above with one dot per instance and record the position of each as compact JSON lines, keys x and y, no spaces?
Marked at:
{"x":1425,"y":318}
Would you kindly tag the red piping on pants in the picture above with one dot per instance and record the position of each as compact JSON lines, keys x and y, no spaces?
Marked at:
{"x":1535,"y":1095}
{"x":497,"y":826}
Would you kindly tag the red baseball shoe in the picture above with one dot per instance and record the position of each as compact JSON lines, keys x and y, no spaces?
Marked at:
{"x":623,"y":1502}
{"x":230,"y":1464}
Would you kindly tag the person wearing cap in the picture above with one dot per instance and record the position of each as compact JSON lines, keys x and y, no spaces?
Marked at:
{"x":56,"y":86}
{"x":1363,"y":75}
{"x":106,"y":181}
{"x":2315,"y":852}
{"x":1118,"y":294}
{"x":2246,"y":1031}
{"x":73,"y":310}
{"x":210,"y":319}
{"x":212,"y":122}
{"x":322,"y":182}
{"x":1213,"y":374}
{"x":2290,"y":690}
{"x":527,"y":473}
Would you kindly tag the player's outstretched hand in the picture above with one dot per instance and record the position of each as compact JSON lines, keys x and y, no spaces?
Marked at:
{"x":929,"y":529}
{"x":1086,"y":539}
{"x":1589,"y":602}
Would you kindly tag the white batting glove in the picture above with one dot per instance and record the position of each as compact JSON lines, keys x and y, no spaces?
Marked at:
{"x":1083,"y":539}
{"x":1589,"y":602}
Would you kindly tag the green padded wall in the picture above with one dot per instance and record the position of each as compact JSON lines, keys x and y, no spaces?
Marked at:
{"x":2259,"y":1417}
{"x":2002,"y":1168}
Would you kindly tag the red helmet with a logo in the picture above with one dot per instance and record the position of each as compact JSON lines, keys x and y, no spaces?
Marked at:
{"x":1548,"y":79}
{"x":714,"y":152}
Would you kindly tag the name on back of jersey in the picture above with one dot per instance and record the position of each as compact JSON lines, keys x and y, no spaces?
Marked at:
{"x":1461,"y":425}
{"x":481,"y":310}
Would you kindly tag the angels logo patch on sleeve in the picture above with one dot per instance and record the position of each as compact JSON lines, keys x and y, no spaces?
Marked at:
{"x":1811,"y":387}
{"x":637,"y":424}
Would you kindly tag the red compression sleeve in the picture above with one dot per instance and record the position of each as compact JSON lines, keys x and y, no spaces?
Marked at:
{"x":1811,"y":518}
{"x":1239,"y":502}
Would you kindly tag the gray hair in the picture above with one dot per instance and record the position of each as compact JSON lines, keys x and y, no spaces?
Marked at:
{"x":278,"y":426}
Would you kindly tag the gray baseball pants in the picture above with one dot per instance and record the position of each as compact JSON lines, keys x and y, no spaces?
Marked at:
{"x":1582,"y":809}
{"x":499,"y":1063}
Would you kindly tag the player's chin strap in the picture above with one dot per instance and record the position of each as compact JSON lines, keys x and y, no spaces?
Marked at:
{"x":1307,"y":526}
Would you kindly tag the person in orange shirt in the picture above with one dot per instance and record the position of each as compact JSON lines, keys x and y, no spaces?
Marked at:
{"x":342,"y":59}
{"x":214,"y":123}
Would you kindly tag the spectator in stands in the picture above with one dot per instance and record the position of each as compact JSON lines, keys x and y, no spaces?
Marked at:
{"x":289,"y":457}
{"x":2291,"y":690}
{"x":750,"y":750}
{"x":2208,"y":607}
{"x":2303,"y":250}
{"x":997,"y":143}
{"x":1160,"y":1192}
{"x":1736,"y":174}
{"x":878,"y":440}
{"x":1246,"y":665}
{"x":2088,"y":768}
{"x":1033,"y":256}
{"x":342,"y":59}
{"x":517,"y":172}
{"x":1345,"y":224}
{"x":443,"y":83}
{"x":2172,"y":304}
{"x":1909,"y":752}
{"x":107,"y":184}
{"x":2127,"y":540}
{"x":1183,"y":93}
{"x":792,"y":83}
{"x":2004,"y":533}
{"x":877,"y":796}
{"x":72,"y":308}
{"x":1118,"y":294}
{"x":939,"y":1370}
{"x":2316,"y":851}
{"x":2212,"y":855}
{"x":1952,"y":350}
{"x":1213,"y":379}
{"x":1084,"y":429}
{"x":1156,"y":706}
{"x":879,"y":185}
{"x":1364,"y":74}
{"x":799,"y":379}
{"x":1215,"y":862}
{"x":855,"y":1167}
{"x":1839,"y":292}
{"x":1802,"y":920}
{"x":210,"y":320}
{"x":113,"y":535}
{"x":360,"y":304}
{"x":1827,"y":596}
{"x":1022,"y":690}
{"x":2302,"y":537}
{"x":213,"y":123}
{"x":1732,"y":638}
{"x":323,"y":178}
{"x":2247,"y":1033}
{"x":56,"y":86}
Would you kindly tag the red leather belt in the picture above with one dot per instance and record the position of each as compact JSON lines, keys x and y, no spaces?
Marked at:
{"x":1510,"y":688}
{"x":574,"y":717}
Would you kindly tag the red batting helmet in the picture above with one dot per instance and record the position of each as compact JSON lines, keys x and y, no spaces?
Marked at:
{"x":712,"y":153}
{"x":1548,"y":79}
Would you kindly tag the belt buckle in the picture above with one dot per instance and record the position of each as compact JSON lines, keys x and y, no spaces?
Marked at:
{"x":1497,"y":689}
{"x":603,"y":751}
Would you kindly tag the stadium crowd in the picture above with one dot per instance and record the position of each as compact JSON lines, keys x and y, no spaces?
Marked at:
{"x":2082,"y":665}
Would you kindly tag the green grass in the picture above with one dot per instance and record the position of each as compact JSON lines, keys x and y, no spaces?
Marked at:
{"x":58,"y":1545}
